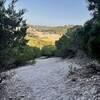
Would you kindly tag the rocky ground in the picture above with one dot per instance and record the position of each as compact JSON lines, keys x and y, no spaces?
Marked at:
{"x":52,"y":79}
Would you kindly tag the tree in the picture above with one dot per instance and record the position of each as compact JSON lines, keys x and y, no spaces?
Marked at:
{"x":12,"y":28}
{"x":94,"y":6}
{"x":92,"y":30}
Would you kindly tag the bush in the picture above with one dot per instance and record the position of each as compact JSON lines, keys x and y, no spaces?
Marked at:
{"x":27,"y":54}
{"x":12,"y":32}
{"x":48,"y":51}
{"x":20,"y":55}
{"x":37,"y":52}
{"x":68,"y":44}
{"x":24,"y":55}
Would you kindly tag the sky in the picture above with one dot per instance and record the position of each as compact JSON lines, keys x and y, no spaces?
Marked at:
{"x":55,"y":12}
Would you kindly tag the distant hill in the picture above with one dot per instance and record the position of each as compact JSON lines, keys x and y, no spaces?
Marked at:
{"x":39,"y":36}
{"x":50,"y":29}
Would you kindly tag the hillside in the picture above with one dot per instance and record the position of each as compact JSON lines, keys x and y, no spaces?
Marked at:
{"x":39,"y":36}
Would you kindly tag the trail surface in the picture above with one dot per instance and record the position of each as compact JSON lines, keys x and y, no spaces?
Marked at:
{"x":43,"y":81}
{"x":47,"y":80}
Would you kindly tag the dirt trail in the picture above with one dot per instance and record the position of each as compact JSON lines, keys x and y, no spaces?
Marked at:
{"x":42,"y":81}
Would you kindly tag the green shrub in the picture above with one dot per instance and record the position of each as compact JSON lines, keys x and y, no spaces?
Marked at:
{"x":48,"y":51}
{"x":27,"y":54}
{"x":68,"y":44}
{"x":20,"y":55}
{"x":12,"y":32}
{"x":36,"y":52}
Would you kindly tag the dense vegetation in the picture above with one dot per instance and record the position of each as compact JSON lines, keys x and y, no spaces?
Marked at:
{"x":68,"y":44}
{"x":86,"y":38}
{"x":48,"y":51}
{"x":13,"y":48}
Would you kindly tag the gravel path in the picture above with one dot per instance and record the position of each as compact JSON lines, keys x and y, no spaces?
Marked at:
{"x":43,"y":81}
{"x":47,"y":80}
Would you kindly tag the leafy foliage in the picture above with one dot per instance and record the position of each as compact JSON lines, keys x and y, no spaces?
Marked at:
{"x":69,"y":42}
{"x":92,"y":31}
{"x":94,"y":6}
{"x":48,"y":51}
{"x":24,"y":55}
{"x":12,"y":32}
{"x":86,"y":38}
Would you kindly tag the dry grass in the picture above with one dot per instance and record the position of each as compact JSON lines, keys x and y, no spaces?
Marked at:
{"x":43,"y":40}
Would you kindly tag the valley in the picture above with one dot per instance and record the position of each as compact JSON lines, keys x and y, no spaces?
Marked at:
{"x":39,"y":36}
